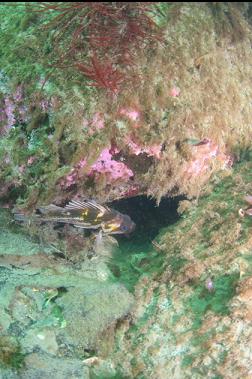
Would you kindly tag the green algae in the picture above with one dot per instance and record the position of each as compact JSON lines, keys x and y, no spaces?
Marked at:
{"x":18,"y":61}
{"x":216,"y":301}
{"x":11,"y":354}
{"x":54,"y":319}
{"x":149,"y":310}
{"x":134,"y":261}
{"x":107,"y":375}
{"x":131,"y":261}
{"x":56,"y":316}
{"x":128,"y":268}
{"x":225,"y":200}
{"x":188,"y":360}
{"x":137,"y":263}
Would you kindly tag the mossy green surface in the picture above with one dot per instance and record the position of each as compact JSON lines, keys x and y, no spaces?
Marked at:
{"x":29,"y":56}
{"x":216,"y":300}
{"x":177,"y":319}
{"x":11,"y":355}
{"x":206,"y":243}
{"x":179,"y":295}
{"x":128,"y":267}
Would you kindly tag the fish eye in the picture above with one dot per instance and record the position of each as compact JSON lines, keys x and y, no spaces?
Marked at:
{"x":124,"y":228}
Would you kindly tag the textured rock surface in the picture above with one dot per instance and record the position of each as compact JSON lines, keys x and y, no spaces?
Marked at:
{"x":65,"y":311}
{"x":52,"y":309}
{"x":193,"y":318}
{"x":186,"y":116}
{"x":44,"y":366}
{"x":88,"y":313}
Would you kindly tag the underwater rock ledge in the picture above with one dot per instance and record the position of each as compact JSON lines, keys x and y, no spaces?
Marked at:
{"x":188,"y":117}
{"x":181,"y":306}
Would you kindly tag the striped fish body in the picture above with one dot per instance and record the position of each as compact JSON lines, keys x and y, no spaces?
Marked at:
{"x":86,"y":214}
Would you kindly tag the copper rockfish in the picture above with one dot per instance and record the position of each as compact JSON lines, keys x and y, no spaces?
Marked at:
{"x":86,"y":214}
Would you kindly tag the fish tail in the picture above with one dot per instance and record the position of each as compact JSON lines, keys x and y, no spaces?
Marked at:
{"x":21,"y":217}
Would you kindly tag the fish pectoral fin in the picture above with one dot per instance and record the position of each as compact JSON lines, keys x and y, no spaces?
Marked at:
{"x":98,"y":236}
{"x":112,"y":240}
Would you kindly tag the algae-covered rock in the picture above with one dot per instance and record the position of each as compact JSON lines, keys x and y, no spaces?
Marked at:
{"x":185,"y":115}
{"x":56,"y":308}
{"x":14,"y":243}
{"x":89,"y":312}
{"x":44,"y":366}
{"x":44,"y":339}
{"x":182,"y":126}
{"x":11,"y":355}
{"x":192,"y":320}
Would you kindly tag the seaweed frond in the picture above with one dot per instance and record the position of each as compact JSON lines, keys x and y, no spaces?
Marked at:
{"x":94,"y":33}
{"x":103,"y":75}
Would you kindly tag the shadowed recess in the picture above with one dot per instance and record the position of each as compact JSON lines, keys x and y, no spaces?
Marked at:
{"x":136,"y":256}
{"x":149,"y":217}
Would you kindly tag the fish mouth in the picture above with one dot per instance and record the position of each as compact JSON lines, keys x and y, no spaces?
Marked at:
{"x":125,"y":232}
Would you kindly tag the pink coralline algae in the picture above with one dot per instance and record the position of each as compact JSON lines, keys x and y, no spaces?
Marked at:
{"x":12,"y":110}
{"x":104,"y":165}
{"x":133,"y":115}
{"x":9,"y":111}
{"x":31,"y":160}
{"x":151,"y":151}
{"x":7,"y":118}
{"x":18,"y":94}
{"x":82,"y":163}
{"x":112,"y":169}
{"x":203,"y":155}
{"x":175,"y":92}
{"x":70,"y":179}
{"x":74,"y":176}
{"x":98,"y":121}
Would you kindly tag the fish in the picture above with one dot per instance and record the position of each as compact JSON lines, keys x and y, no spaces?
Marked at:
{"x":86,"y":214}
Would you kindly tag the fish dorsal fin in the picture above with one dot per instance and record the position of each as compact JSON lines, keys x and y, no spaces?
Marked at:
{"x":99,"y":207}
{"x":76,"y":205}
{"x":89,"y":204}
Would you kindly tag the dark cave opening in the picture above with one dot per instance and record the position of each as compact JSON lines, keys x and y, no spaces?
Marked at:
{"x":136,"y":255}
{"x":148,"y":217}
